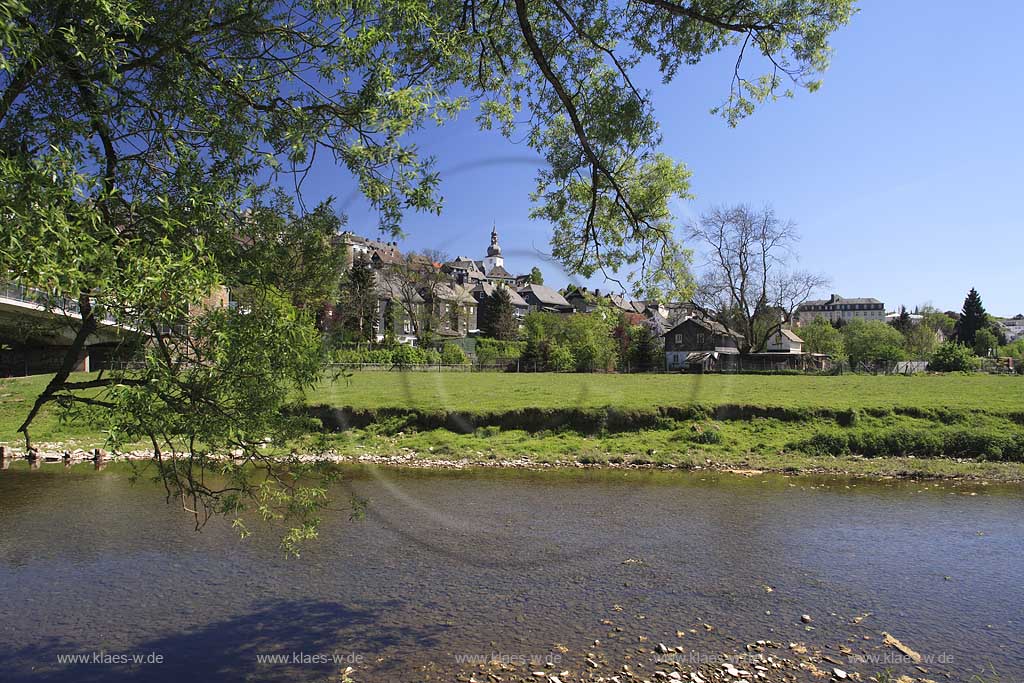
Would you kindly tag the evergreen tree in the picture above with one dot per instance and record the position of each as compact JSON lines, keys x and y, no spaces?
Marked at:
{"x":497,"y":316}
{"x":536,"y":277}
{"x":903,"y":322}
{"x":357,"y":307}
{"x":972,"y":318}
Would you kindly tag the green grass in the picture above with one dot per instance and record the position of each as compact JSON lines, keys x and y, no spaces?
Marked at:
{"x":785,"y":423}
{"x":16,"y":398}
{"x":493,"y":391}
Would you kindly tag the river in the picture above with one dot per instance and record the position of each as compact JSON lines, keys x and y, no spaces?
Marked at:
{"x":452,"y":566}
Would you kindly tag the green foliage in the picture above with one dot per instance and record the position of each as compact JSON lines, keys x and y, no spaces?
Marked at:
{"x":356,"y":312}
{"x":644,"y":348}
{"x":232,"y":386}
{"x":137,"y":137}
{"x":587,"y":339}
{"x":536,"y":277}
{"x":404,"y":355}
{"x":1014,"y":350}
{"x":985,"y":342}
{"x":920,"y":341}
{"x":953,"y":356}
{"x":872,"y":341}
{"x":561,"y":358}
{"x":932,"y":442}
{"x":493,"y":351}
{"x":937,"y":321}
{"x":453,"y":354}
{"x":972,"y":318}
{"x":821,"y":337}
{"x":496,"y":316}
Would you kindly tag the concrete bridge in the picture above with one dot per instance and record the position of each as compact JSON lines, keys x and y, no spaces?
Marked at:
{"x":37,"y":328}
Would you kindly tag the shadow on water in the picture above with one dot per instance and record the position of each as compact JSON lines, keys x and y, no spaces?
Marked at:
{"x":231,"y":649}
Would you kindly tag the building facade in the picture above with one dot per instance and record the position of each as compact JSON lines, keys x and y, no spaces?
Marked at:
{"x":697,"y":343}
{"x":839,"y":308}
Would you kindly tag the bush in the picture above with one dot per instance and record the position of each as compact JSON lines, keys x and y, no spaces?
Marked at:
{"x":561,"y":359}
{"x":452,"y":354}
{"x":405,"y":355}
{"x":953,"y":357}
{"x":493,"y":351}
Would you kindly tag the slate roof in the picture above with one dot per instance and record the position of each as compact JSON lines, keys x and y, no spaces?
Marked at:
{"x":545,"y":295}
{"x":453,"y":292}
{"x":709,"y":325}
{"x":836,"y":299}
{"x":389,"y":287}
{"x":791,"y":335}
{"x":499,"y":272}
{"x":488,"y":289}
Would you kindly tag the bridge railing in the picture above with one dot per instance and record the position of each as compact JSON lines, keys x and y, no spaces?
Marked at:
{"x":44,"y":299}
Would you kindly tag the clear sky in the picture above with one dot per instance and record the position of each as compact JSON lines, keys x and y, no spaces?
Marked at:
{"x":904,"y":172}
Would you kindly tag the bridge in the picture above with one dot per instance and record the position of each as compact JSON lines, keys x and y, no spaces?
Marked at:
{"x":36,"y":329}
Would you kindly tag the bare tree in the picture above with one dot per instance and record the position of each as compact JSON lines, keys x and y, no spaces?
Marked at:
{"x":414,"y":281}
{"x":749,"y":283}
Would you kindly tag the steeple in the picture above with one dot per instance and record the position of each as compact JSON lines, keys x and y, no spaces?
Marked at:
{"x":494,"y":249}
{"x":494,"y":257}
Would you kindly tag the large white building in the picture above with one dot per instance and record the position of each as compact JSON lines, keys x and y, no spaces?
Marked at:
{"x":839,"y":308}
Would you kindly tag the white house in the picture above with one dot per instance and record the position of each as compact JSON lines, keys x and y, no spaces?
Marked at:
{"x":785,"y":341}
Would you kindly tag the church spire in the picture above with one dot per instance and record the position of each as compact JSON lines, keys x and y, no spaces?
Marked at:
{"x":494,"y":249}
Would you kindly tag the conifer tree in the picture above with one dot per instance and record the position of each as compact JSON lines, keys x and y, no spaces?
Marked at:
{"x":972,"y":318}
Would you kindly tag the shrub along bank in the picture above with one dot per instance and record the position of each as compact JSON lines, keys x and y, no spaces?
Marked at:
{"x":870,"y":432}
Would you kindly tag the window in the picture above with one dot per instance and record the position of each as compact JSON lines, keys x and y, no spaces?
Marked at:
{"x":679,"y":338}
{"x":700,"y":339}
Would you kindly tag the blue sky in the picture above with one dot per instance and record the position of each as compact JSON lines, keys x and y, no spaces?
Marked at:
{"x":901,"y":172}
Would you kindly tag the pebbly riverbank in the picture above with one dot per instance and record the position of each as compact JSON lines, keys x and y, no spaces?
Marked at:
{"x":965,"y":470}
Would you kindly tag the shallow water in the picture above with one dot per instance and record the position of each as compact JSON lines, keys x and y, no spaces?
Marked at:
{"x":450,"y":565}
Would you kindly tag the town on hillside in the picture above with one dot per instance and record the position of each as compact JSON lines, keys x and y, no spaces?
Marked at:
{"x":431,"y":300}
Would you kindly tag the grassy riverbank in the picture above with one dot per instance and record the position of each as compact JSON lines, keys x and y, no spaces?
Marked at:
{"x":952,"y":425}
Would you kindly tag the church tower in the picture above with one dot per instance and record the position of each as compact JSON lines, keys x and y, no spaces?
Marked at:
{"x":494,"y":258}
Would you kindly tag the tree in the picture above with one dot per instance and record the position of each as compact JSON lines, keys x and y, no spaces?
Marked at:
{"x":920,"y":341}
{"x":358,"y":304}
{"x":748,"y":283}
{"x":984,"y":342}
{"x":952,"y":356}
{"x":972,"y":318}
{"x":415,"y":283}
{"x":496,"y":316}
{"x":903,"y":322}
{"x":937,"y":321}
{"x":136,"y":136}
{"x":452,"y":354}
{"x":821,"y":337}
{"x":870,"y":341}
{"x":536,"y":277}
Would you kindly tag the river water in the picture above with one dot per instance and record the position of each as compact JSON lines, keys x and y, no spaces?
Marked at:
{"x":451,"y":566}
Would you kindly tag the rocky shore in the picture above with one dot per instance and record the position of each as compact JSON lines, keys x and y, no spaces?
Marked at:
{"x":687,"y":659}
{"x":55,"y":453}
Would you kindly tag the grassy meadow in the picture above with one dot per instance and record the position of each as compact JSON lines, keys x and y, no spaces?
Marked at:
{"x":495,"y":391}
{"x":928,"y":425}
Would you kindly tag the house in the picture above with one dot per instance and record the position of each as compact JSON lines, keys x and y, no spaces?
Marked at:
{"x":785,"y":341}
{"x":454,"y":309}
{"x":581,"y":300}
{"x":839,"y":308}
{"x":395,"y":299}
{"x":482,"y":291}
{"x":696,"y":344}
{"x":357,"y":246}
{"x":1013,"y":327}
{"x":541,"y":298}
